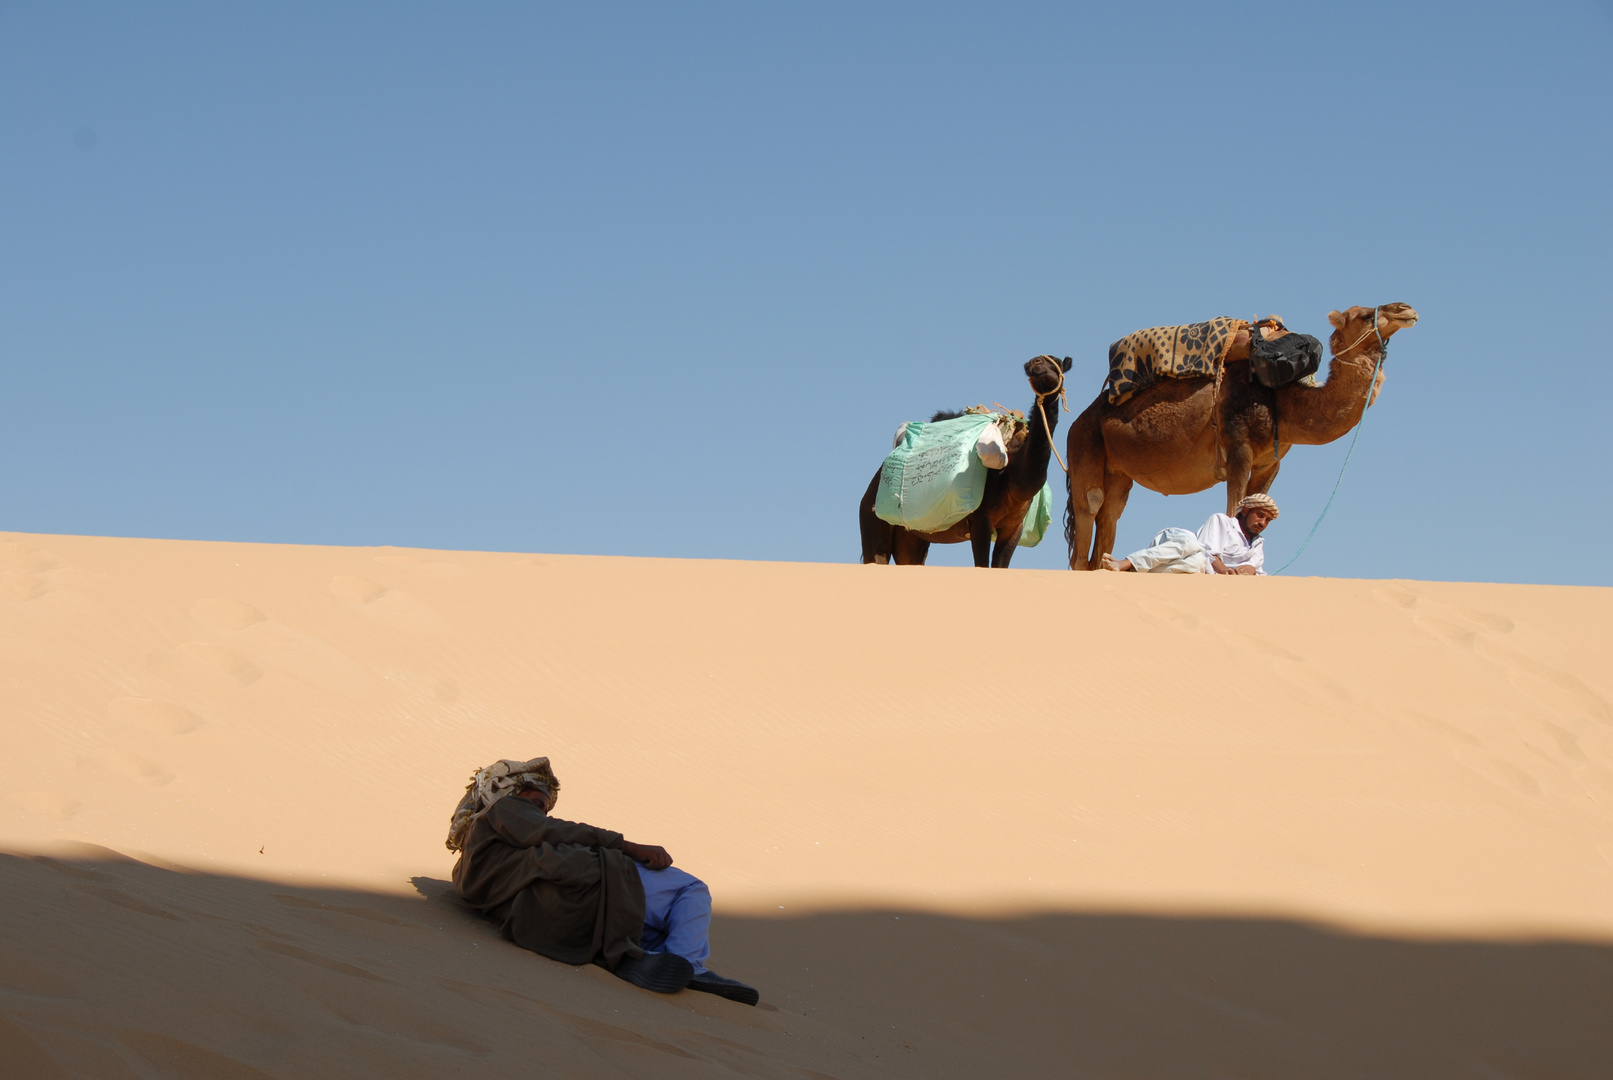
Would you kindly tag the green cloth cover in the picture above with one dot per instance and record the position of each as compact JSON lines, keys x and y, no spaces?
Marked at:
{"x":1037,"y":517}
{"x":1034,"y":527}
{"x":934,"y":479}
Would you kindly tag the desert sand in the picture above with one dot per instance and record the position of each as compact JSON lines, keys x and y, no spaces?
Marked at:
{"x":957,"y":823}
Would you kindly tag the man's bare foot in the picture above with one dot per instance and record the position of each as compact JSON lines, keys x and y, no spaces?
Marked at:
{"x":1112,"y":563}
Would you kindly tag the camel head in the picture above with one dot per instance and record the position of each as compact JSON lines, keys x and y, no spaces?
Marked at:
{"x":1352,"y":329}
{"x":1046,"y":373}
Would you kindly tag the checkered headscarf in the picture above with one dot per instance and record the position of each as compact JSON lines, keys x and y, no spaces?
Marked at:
{"x":487,"y":786}
{"x":1258,"y":502}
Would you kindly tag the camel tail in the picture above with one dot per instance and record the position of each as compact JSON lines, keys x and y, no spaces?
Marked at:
{"x":1069,"y":513}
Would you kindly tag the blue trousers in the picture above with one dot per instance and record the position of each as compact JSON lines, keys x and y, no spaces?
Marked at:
{"x":677,"y":915}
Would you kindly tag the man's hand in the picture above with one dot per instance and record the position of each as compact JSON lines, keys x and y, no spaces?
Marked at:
{"x":1247,"y":571}
{"x":654,"y":857}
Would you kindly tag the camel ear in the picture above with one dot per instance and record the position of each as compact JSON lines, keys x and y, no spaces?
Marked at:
{"x":1066,"y":365}
{"x":1337,"y":319}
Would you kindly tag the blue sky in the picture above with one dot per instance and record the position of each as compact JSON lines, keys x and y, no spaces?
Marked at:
{"x":662,"y":280}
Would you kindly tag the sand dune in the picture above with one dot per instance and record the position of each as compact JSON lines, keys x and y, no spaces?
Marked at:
{"x":1029,"y":823}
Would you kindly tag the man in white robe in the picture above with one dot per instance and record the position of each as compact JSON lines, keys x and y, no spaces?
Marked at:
{"x":1225,"y":545}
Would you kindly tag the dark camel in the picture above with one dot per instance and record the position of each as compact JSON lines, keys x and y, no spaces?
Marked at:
{"x":1180,"y":436}
{"x":1008,"y":495}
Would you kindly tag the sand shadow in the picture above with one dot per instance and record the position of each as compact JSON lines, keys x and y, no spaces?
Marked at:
{"x":110,"y":967}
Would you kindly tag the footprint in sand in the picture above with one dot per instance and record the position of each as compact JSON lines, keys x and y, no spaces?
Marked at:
{"x":1499,"y":772}
{"x":265,"y":644}
{"x":171,"y":1057}
{"x":1499,"y":641}
{"x":1565,"y":741}
{"x":421,"y":564}
{"x":15,"y":585}
{"x":390,"y":607}
{"x":1164,"y":613}
{"x":1401,"y":598}
{"x":1561,"y":692}
{"x":1241,"y":641}
{"x":1455,"y":625}
{"x":356,"y":590}
{"x":135,"y":767}
{"x":222,"y":659}
{"x":154,"y":716}
{"x":23,"y":559}
{"x":1462,"y":626}
{"x":45,"y":804}
{"x":225,"y":614}
{"x":20,"y":567}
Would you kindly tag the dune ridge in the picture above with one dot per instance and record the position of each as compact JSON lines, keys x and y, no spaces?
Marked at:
{"x":1410,"y":766}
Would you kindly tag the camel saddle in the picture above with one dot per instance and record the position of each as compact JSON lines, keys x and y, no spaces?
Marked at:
{"x":1195,"y":350}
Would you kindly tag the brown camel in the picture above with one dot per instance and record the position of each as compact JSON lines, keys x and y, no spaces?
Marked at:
{"x":1008,"y":495}
{"x":1179,"y":436}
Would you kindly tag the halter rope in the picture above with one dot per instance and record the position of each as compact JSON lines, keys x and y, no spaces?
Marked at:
{"x":1383,"y":349}
{"x":1059,"y":390}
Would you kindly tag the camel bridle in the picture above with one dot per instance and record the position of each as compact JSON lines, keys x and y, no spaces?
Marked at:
{"x":1383,"y":353}
{"x":1383,"y":350}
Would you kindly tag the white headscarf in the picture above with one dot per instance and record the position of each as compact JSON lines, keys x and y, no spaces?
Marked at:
{"x":487,"y":786}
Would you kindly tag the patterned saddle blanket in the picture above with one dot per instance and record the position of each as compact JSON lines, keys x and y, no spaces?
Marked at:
{"x":1143,"y":357}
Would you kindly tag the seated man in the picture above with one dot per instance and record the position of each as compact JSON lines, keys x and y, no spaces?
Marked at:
{"x":1225,"y":545}
{"x":579,"y":894}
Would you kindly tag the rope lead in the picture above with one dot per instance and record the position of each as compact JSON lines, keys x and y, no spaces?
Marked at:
{"x":1371,"y":386}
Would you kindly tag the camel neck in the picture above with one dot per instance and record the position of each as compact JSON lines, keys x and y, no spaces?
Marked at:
{"x":1312,"y":415}
{"x":1038,"y":441}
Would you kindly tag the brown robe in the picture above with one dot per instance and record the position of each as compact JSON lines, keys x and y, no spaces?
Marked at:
{"x":559,"y":888}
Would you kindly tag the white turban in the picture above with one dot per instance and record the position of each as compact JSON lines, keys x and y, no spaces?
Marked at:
{"x":487,"y":786}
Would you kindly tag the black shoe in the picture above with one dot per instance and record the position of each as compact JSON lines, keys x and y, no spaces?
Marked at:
{"x":709,"y":982}
{"x":661,"y":972}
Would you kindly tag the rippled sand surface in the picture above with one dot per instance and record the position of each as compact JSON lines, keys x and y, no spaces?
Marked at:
{"x":957,"y":823}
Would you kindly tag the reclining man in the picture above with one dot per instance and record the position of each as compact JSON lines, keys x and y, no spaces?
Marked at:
{"x":1225,"y":545}
{"x":579,"y":894}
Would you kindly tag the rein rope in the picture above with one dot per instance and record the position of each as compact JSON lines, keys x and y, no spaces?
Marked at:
{"x":1062,"y":396}
{"x":1383,"y":350}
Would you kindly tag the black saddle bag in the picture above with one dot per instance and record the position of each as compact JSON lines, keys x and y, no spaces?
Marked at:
{"x":1284,"y":360}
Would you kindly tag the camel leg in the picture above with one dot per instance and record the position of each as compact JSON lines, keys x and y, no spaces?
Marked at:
{"x":980,"y":538}
{"x":1004,"y":551}
{"x":908,"y":549}
{"x":1083,"y":487}
{"x":1078,"y":521}
{"x":1116,"y":490}
{"x":1240,"y":466}
{"x":1079,"y":515}
{"x":876,"y":533}
{"x":1261,"y":478}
